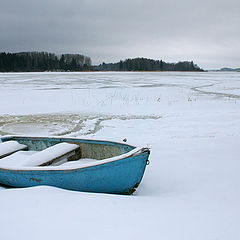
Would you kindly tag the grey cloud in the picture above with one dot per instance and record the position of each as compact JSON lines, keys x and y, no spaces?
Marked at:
{"x":108,"y":30}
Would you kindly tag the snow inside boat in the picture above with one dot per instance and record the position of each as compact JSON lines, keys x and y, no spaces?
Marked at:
{"x":72,"y":163}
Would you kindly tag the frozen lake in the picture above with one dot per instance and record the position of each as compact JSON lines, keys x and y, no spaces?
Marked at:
{"x":189,"y":120}
{"x":80,"y":103}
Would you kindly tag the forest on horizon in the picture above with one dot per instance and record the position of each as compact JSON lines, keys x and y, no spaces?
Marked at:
{"x":44,"y":61}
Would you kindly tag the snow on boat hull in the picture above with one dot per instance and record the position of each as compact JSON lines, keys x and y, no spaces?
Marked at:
{"x":119,"y":168}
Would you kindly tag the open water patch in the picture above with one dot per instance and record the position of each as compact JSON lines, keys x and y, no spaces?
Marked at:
{"x":60,"y":124}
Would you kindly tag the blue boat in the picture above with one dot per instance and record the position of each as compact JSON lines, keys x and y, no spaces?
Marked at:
{"x":72,"y":163}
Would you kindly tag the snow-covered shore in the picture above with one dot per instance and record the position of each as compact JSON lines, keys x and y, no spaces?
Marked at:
{"x":189,"y":120}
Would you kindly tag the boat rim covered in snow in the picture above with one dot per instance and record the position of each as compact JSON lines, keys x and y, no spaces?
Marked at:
{"x":134,"y":152}
{"x":116,"y":167}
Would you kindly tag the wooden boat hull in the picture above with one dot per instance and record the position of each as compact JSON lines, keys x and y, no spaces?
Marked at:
{"x":120,"y":176}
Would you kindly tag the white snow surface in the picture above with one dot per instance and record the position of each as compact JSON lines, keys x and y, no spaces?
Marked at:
{"x":190,"y":121}
{"x":78,"y":162}
{"x":16,"y":159}
{"x":50,"y":153}
{"x":10,"y":147}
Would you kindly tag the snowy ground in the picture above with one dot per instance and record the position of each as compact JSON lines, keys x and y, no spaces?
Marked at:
{"x":191,"y":122}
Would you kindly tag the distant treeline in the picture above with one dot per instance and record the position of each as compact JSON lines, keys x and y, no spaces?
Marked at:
{"x":43,"y":61}
{"x":226,"y":69}
{"x":144,"y":64}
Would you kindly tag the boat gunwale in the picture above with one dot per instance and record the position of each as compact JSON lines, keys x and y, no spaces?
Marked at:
{"x":66,"y":138}
{"x":134,"y":152}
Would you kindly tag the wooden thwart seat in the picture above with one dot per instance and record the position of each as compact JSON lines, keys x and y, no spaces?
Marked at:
{"x":10,"y":147}
{"x":54,"y":155}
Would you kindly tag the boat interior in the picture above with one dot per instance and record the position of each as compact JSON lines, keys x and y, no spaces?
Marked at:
{"x":40,"y":151}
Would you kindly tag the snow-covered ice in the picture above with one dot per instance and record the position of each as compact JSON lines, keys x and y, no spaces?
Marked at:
{"x":189,"y":120}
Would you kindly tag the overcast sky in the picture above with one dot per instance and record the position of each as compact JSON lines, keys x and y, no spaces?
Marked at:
{"x":206,"y":31}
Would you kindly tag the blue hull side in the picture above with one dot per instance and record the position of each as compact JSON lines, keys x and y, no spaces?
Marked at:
{"x":121,"y":176}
